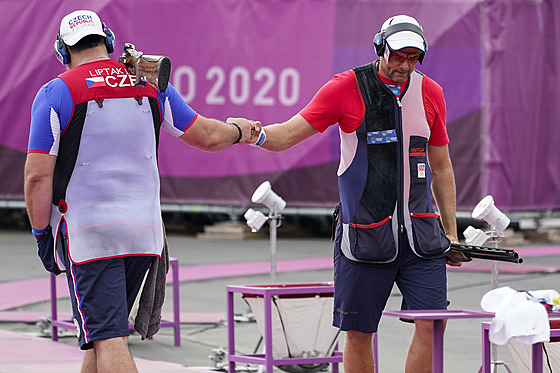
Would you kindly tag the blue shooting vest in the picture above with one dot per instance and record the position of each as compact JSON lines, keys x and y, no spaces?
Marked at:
{"x":384,"y":177}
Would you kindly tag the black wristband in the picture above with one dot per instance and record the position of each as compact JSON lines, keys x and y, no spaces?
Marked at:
{"x":240,"y":133}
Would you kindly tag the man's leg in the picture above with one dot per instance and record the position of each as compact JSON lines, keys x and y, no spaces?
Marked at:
{"x":358,"y":352}
{"x":89,"y":365}
{"x":423,"y":284}
{"x":113,"y":356}
{"x":419,"y":358}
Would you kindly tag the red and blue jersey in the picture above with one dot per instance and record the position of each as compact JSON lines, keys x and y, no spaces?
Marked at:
{"x":105,"y":132}
{"x":383,"y":176}
{"x":54,"y":105}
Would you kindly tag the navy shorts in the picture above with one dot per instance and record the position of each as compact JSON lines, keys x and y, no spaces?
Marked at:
{"x":361,"y":291}
{"x":102,"y":294}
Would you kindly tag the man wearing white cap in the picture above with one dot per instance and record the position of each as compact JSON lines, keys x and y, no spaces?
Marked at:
{"x":92,"y":175}
{"x":393,"y":138}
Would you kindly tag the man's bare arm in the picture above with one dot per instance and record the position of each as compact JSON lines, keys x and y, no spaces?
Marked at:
{"x":212,"y":135}
{"x":39,"y":169}
{"x":443,"y":187}
{"x":282,"y":136}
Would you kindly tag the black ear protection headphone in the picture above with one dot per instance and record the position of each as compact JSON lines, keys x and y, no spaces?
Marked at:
{"x":61,"y":49}
{"x":380,"y":39}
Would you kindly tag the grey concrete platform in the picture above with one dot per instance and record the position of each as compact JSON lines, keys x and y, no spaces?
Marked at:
{"x":208,"y":296}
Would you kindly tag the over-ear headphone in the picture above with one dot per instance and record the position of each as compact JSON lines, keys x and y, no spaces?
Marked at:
{"x":380,"y":39}
{"x":109,"y":40}
{"x":61,"y":49}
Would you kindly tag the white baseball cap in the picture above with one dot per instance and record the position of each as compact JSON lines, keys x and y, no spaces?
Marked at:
{"x":405,"y":38}
{"x":79,"y":24}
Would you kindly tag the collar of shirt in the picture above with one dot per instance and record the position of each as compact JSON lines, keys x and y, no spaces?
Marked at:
{"x":395,"y":87}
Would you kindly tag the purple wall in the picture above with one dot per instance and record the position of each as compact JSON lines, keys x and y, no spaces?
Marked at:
{"x":497,"y":62}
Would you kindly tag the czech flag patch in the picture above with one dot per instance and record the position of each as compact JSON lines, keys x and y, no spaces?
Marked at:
{"x":96,"y":81}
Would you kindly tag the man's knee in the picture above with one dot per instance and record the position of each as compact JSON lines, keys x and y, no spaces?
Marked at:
{"x":110,"y":343}
{"x":423,"y":325}
{"x":355,"y":337}
{"x":424,"y":328}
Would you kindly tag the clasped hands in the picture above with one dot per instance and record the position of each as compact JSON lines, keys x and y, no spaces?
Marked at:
{"x":250,"y":129}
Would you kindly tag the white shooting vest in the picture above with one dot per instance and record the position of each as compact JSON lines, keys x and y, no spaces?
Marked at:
{"x":112,"y":199}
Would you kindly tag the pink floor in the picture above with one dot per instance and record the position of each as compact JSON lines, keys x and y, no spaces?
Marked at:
{"x":23,"y":292}
{"x":21,"y":353}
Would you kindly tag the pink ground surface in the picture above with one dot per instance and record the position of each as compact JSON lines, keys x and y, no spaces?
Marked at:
{"x":20,"y":353}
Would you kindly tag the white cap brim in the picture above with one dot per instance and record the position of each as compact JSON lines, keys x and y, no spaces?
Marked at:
{"x":406,"y":39}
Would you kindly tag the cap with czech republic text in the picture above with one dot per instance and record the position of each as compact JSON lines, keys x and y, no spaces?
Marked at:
{"x":78,"y":25}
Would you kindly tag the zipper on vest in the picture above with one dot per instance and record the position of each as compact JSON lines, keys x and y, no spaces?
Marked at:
{"x":400,"y":172}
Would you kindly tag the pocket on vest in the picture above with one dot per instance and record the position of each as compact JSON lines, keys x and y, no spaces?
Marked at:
{"x":372,"y":242}
{"x":429,"y":237}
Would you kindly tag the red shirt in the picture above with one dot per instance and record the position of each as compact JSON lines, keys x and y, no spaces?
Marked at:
{"x":340,"y":101}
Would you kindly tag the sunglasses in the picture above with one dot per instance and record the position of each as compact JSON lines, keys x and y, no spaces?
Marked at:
{"x":402,"y":57}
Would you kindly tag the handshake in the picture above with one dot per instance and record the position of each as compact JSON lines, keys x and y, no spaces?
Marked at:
{"x":255,"y":132}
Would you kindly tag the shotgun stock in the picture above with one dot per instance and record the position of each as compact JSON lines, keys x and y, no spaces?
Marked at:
{"x":147,"y":68}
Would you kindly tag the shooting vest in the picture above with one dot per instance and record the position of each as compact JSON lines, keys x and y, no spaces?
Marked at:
{"x":384,"y":178}
{"x":106,"y":180}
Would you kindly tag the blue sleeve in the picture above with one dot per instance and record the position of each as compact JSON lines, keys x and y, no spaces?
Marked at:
{"x":175,"y":111}
{"x":50,"y":114}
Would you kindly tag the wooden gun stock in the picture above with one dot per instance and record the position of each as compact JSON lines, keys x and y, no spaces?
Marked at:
{"x":147,"y":68}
